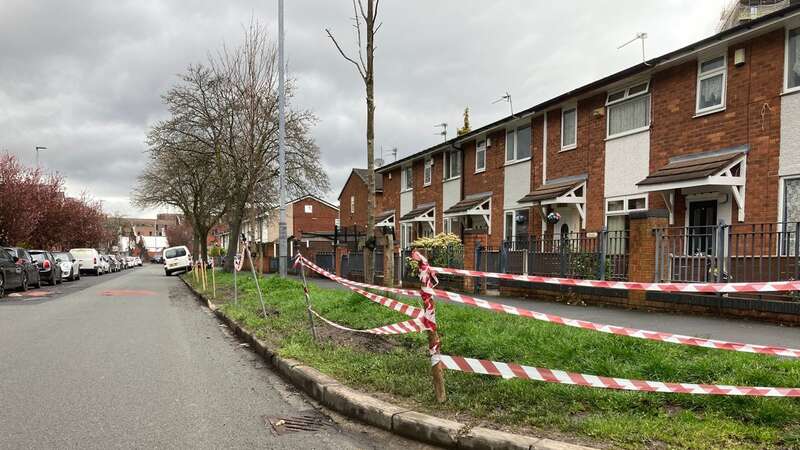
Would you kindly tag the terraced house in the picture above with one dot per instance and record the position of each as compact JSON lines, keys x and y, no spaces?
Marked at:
{"x":706,"y":134}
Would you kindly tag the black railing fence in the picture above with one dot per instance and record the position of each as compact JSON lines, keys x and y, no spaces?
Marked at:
{"x":720,"y":253}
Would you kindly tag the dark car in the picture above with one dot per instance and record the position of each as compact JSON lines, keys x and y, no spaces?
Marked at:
{"x":49,"y":270}
{"x":10,"y":272}
{"x":29,"y":270}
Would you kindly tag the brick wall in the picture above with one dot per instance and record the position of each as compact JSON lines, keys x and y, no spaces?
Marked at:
{"x":433,"y":192}
{"x":322,"y":217}
{"x":356,"y":188}
{"x":491,"y":180}
{"x":391,"y":197}
{"x":675,"y":131}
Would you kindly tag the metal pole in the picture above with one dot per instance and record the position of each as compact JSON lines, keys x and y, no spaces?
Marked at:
{"x":255,"y":277}
{"x":281,"y":144}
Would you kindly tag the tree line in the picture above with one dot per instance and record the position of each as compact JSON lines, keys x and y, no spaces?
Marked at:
{"x":35,"y":211}
{"x":215,"y":157}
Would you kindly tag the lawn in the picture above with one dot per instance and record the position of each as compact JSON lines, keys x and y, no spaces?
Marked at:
{"x":398,"y":366}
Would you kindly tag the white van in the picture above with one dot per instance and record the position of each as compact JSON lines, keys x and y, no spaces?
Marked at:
{"x":89,"y":260}
{"x":177,"y":259}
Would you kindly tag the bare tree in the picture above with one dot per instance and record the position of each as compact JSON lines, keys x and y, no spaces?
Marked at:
{"x":367,"y":73}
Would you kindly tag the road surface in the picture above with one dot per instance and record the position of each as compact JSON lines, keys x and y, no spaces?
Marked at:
{"x":132,"y":360}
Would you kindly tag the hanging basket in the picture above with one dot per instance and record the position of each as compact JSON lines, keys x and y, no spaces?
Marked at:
{"x":553,"y":218}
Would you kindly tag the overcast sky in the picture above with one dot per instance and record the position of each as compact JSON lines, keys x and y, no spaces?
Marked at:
{"x":84,"y":77}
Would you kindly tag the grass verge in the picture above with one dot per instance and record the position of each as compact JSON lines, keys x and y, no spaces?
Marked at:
{"x":398,"y":366}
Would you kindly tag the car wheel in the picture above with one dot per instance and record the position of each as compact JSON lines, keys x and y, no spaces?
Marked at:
{"x":24,"y":286}
{"x":38,"y":281}
{"x":167,"y":273}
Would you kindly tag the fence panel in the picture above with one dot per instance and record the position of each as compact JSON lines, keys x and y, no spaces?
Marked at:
{"x":326,"y":260}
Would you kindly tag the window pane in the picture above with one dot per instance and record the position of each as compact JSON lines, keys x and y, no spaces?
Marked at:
{"x":480,"y":156}
{"x":616,"y":96}
{"x":521,"y":224}
{"x":712,"y":64}
{"x":523,"y":142}
{"x":616,"y":205}
{"x":793,"y":66}
{"x":568,"y":127}
{"x":710,"y":92}
{"x":629,"y":115}
{"x":510,"y":155}
{"x":636,"y":203}
{"x":509,"y":225}
{"x":638,"y":89}
{"x":791,"y":200}
{"x":455,"y":161}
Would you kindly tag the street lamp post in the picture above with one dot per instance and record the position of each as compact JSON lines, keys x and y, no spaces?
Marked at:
{"x":282,"y":262}
{"x":37,"y":154}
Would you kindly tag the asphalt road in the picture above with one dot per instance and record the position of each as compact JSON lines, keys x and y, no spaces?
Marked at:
{"x":131,"y":360}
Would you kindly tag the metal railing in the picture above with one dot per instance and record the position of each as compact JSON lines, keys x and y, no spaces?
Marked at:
{"x":720,"y":253}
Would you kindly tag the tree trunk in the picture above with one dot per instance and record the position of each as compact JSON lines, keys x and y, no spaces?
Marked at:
{"x":370,"y":82}
{"x":235,"y":227}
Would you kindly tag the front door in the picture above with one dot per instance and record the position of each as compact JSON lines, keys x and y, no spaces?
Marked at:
{"x":702,"y":223}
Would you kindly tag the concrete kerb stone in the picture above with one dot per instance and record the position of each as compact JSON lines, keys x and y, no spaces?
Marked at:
{"x":401,"y":421}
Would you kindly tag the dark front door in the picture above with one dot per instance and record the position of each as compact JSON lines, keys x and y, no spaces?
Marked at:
{"x":702,"y":223}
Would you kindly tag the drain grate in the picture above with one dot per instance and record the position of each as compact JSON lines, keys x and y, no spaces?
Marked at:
{"x":305,"y":421}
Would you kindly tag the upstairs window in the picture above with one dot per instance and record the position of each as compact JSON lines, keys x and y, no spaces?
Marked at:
{"x":629,"y":110}
{"x":309,"y":209}
{"x":793,"y":59}
{"x":518,"y":144}
{"x":352,"y":204}
{"x":452,"y":164}
{"x":569,"y":128}
{"x":407,"y":180}
{"x":428,"y":173}
{"x":711,"y":80}
{"x":480,"y":156}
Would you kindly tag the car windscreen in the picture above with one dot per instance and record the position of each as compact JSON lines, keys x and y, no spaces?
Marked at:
{"x":62,"y":256}
{"x":82,"y":253}
{"x":175,"y":253}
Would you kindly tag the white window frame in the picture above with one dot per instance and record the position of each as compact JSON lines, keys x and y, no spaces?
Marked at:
{"x":407,"y":179}
{"x":477,"y":150}
{"x":786,"y":88}
{"x":427,"y":172}
{"x":447,"y":224}
{"x":575,"y":133}
{"x":308,"y":209}
{"x":515,"y":131}
{"x":625,"y":205}
{"x":782,"y":193}
{"x":627,"y":96}
{"x":513,"y":213}
{"x":406,"y":235}
{"x":352,"y":204}
{"x":448,"y":156}
{"x":711,"y":74}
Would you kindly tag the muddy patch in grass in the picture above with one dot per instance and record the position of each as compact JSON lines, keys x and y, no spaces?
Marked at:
{"x":361,"y":341}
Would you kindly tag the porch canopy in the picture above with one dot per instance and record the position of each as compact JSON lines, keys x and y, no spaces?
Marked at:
{"x":475,"y":205}
{"x":385,"y":219}
{"x":722,"y":170}
{"x":424,"y":213}
{"x":568,"y":190}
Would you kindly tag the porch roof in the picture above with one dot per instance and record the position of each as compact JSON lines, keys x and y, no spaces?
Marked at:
{"x":470,"y":203}
{"x":385,"y":219}
{"x":416,"y":213}
{"x":551,"y":191}
{"x":708,"y":168}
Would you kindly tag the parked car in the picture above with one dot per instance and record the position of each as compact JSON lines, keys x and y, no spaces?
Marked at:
{"x":29,"y":270}
{"x":49,"y":270}
{"x":131,"y":261}
{"x":177,"y":259}
{"x":123,"y":261}
{"x":117,"y":263}
{"x":88,"y":259}
{"x":70,"y":267}
{"x":138,"y":261}
{"x":10,"y":272}
{"x":103,"y":260}
{"x":157,"y":259}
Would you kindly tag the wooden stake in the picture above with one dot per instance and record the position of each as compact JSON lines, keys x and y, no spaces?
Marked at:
{"x":437,"y":372}
{"x":308,"y":302}
{"x":213,"y":281}
{"x":203,"y":274}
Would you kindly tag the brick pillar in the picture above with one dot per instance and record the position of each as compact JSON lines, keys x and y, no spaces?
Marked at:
{"x":642,"y":248}
{"x":470,"y":242}
{"x":340,"y":251}
{"x":388,"y":260}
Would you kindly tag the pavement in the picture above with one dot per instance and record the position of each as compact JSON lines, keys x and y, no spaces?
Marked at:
{"x":132,"y":360}
{"x":708,"y":327}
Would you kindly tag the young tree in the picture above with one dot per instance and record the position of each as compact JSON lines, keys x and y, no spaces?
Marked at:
{"x":367,"y":73}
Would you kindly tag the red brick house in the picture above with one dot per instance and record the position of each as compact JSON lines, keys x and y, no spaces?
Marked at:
{"x":353,"y":200}
{"x":709,"y":132}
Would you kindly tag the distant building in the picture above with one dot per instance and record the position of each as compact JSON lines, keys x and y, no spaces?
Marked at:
{"x":742,"y":11}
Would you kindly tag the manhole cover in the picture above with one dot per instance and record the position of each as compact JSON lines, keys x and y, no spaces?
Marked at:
{"x":305,"y":421}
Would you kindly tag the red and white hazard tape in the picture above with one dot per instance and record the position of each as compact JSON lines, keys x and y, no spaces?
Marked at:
{"x":772,"y":286}
{"x":511,"y":370}
{"x":408,"y":326}
{"x":340,"y":280}
{"x":611,"y":329}
{"x":411,"y":311}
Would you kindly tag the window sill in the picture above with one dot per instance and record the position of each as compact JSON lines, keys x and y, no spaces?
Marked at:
{"x":568,"y":148}
{"x":451,"y":179}
{"x":480,"y":171}
{"x":628,"y":133}
{"x":517,"y":161}
{"x":708,"y":112}
{"x":406,"y":190}
{"x":791,"y":91}
{"x":426,"y":185}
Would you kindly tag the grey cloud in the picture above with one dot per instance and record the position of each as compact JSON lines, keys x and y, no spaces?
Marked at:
{"x":85,"y":77}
